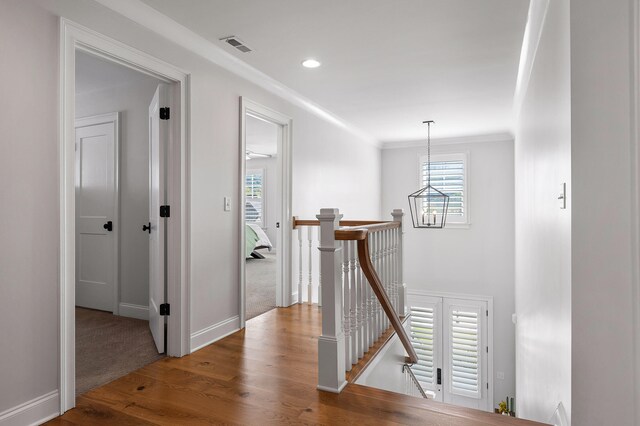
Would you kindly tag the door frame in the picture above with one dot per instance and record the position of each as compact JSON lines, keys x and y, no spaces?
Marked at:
{"x":489,"y":301}
{"x":111,"y":117}
{"x":284,"y":297}
{"x":74,"y":37}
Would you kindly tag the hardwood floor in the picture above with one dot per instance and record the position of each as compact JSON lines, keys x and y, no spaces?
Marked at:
{"x":265,"y":374}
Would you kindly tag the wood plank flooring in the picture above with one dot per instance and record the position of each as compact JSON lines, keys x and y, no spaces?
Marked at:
{"x":265,"y":374}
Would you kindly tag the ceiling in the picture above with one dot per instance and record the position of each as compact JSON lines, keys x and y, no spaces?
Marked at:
{"x":387,"y":65}
{"x":93,"y":73}
{"x":261,"y":136}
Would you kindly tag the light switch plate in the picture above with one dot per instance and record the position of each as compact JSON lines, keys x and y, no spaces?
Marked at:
{"x":227,"y":204}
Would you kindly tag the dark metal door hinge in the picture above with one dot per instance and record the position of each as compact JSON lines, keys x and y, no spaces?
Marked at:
{"x":165,"y":113}
{"x":165,"y":309}
{"x":165,"y":211}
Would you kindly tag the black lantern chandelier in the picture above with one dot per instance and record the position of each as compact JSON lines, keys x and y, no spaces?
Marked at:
{"x":428,"y":206}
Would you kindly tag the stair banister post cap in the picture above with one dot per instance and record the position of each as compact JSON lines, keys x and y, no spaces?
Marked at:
{"x":329,"y":214}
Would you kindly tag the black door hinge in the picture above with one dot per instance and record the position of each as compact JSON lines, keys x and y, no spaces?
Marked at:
{"x":165,"y":211}
{"x":165,"y":309}
{"x":165,"y":113}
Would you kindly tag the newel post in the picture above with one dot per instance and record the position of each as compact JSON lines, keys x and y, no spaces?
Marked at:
{"x":331,"y":361}
{"x":397,"y":215}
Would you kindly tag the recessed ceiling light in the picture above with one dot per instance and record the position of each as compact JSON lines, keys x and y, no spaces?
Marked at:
{"x":310,"y":63}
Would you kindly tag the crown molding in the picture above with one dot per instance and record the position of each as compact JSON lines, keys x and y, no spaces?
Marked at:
{"x":474,"y":139}
{"x":162,"y":25}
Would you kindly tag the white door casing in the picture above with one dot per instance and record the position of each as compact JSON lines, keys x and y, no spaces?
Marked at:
{"x":97,"y":212}
{"x":157,"y":276}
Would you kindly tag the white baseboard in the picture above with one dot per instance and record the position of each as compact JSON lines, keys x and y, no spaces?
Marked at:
{"x":214,"y":332}
{"x":34,"y":412}
{"x":133,"y":311}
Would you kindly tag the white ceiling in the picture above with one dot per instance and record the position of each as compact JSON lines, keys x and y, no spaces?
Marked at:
{"x":261,"y":136}
{"x":387,"y":65}
{"x":93,"y":73}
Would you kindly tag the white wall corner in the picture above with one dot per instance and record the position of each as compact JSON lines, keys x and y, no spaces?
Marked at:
{"x":34,"y":412}
{"x":530,"y":42}
{"x":214,"y":332}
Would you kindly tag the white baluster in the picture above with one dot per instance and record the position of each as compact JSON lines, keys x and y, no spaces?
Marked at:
{"x":346,"y":304}
{"x":310,"y":283}
{"x":319,"y":278}
{"x":361,"y":310}
{"x":300,"y":299}
{"x":353,"y":302}
{"x":331,"y":365}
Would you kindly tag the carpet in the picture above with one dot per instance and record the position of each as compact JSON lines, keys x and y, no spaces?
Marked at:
{"x":109,"y":346}
{"x":261,"y":284}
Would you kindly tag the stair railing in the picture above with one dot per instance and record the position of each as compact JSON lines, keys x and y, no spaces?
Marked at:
{"x":362,"y":292}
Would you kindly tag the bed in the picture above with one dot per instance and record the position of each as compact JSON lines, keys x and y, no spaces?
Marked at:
{"x":255,"y":239}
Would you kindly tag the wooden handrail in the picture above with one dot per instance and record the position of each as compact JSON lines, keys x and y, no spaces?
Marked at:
{"x":361,"y":236}
{"x":308,"y":222}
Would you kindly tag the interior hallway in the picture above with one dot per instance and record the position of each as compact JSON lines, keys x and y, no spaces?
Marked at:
{"x":264,"y":374}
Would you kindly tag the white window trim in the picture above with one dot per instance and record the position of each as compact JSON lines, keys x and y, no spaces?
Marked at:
{"x":263,"y":173}
{"x":464,"y":156}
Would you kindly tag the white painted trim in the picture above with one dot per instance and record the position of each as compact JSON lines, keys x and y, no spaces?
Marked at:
{"x":285,"y":173}
{"x":215,"y":332}
{"x":133,"y":311}
{"x":34,"y":412}
{"x":153,"y":20}
{"x":489,"y":300}
{"x":114,"y":118}
{"x":531,"y":40}
{"x":74,"y":37}
{"x":635,"y":193}
{"x":422,"y":143}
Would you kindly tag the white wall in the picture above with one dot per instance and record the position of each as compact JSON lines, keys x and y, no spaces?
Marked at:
{"x":330,"y":165}
{"x":478,"y":260}
{"x":543,"y":230}
{"x":602,"y":172}
{"x":132,"y":101}
{"x":270,"y":193}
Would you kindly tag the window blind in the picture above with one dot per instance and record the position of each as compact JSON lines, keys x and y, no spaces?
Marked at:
{"x":254,"y":181}
{"x":464,"y":353}
{"x":447,"y":177}
{"x":422,"y":339}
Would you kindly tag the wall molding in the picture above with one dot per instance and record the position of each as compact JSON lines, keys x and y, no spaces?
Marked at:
{"x":34,"y":412}
{"x":164,"y":26}
{"x":492,"y":137}
{"x":133,"y":311}
{"x":215,"y":332}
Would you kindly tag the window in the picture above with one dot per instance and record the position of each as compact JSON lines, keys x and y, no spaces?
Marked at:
{"x":253,"y":194}
{"x":449,"y":175}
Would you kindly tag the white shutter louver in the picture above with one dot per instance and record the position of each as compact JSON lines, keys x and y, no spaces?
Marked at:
{"x":422,"y":339}
{"x":253,"y":196}
{"x":448,"y":176}
{"x":465,"y":353}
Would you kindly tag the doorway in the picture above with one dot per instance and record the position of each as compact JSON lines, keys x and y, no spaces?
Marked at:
{"x":120,"y":280}
{"x":172,"y":197}
{"x":265,"y":210}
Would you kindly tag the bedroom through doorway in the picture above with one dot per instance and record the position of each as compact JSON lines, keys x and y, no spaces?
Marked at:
{"x":261,"y":201}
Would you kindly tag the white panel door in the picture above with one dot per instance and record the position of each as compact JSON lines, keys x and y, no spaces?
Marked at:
{"x":465,"y":353}
{"x":158,"y":135}
{"x":95,"y":214}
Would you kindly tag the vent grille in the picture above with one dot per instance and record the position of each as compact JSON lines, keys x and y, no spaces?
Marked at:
{"x":237,"y":43}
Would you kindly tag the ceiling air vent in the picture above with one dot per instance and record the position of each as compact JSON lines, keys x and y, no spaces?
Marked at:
{"x":237,"y":43}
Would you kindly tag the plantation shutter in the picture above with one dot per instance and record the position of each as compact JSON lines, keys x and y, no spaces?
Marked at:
{"x":463,"y":351}
{"x":254,"y":182}
{"x":448,"y":176}
{"x":425,"y":338}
